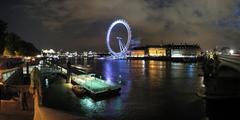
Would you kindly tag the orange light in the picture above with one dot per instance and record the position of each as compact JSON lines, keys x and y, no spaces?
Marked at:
{"x":156,"y":52}
{"x":137,"y":53}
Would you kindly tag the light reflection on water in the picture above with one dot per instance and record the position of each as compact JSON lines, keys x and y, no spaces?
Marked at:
{"x":89,"y":105}
{"x":156,"y":89}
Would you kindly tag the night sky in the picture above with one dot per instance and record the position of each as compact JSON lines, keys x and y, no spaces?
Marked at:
{"x":82,"y":24}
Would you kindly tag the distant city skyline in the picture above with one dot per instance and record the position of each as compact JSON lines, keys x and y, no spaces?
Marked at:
{"x":77,"y":25}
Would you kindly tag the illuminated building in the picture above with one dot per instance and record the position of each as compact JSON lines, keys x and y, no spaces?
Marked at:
{"x":178,"y":53}
{"x":137,"y":53}
{"x":156,"y":51}
{"x":148,"y":51}
{"x":166,"y":52}
{"x":49,"y":52}
{"x":185,"y":51}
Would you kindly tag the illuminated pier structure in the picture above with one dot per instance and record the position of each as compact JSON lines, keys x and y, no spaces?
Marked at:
{"x":166,"y":52}
{"x":95,"y":86}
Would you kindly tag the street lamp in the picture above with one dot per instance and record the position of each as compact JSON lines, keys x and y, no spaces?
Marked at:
{"x":1,"y":86}
{"x":231,"y":51}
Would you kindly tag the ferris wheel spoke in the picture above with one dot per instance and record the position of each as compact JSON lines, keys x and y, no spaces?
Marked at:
{"x":121,"y":45}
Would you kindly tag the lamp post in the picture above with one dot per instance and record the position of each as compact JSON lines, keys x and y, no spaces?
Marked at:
{"x":27,"y":60}
{"x":68,"y":72}
{"x":1,"y":86}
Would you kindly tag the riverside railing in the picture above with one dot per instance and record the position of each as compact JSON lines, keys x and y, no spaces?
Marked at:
{"x":6,"y":74}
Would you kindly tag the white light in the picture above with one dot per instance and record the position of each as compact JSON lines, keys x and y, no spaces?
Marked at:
{"x":231,"y":51}
{"x":182,"y":56}
{"x":177,"y":55}
{"x":51,"y":51}
{"x":202,"y":82}
{"x":46,"y":82}
{"x":38,"y":56}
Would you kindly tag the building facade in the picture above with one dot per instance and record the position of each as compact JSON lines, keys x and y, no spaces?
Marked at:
{"x":166,"y":51}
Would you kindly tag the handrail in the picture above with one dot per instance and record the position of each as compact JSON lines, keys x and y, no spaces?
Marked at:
{"x":5,"y":74}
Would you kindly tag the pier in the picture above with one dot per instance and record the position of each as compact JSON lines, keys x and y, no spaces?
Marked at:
{"x":94,"y":85}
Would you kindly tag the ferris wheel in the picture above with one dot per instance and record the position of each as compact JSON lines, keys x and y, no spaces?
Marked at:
{"x":123,"y":47}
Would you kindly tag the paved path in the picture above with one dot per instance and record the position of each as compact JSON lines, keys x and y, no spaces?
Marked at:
{"x":10,"y":110}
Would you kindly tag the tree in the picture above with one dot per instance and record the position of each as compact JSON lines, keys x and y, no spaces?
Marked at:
{"x":26,"y":48}
{"x":11,"y":41}
{"x":12,"y":44}
{"x":3,"y":28}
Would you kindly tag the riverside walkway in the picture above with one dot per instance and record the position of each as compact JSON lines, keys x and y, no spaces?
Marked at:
{"x":13,"y":85}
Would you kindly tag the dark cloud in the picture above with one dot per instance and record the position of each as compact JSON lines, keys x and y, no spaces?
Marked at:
{"x":159,"y":4}
{"x":83,"y":24}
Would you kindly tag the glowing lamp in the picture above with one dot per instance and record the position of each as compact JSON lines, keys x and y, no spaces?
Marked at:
{"x":231,"y":52}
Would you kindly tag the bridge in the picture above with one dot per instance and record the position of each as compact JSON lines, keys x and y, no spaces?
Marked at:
{"x":231,"y":62}
{"x":222,"y":80}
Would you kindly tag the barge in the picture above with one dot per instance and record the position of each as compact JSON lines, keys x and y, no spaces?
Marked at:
{"x":95,"y":87}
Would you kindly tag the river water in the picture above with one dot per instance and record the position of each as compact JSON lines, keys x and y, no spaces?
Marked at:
{"x":154,"y":90}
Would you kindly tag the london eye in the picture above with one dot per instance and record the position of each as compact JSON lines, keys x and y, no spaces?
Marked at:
{"x":123,"y":46}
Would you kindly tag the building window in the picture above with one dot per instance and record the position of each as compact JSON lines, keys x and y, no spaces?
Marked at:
{"x":156,"y":52}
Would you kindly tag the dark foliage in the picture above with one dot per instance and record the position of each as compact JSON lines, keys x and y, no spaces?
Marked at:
{"x":3,"y":27}
{"x":14,"y":44}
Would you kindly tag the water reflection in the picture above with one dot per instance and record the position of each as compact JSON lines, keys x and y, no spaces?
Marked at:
{"x":108,"y":73}
{"x":190,"y":69}
{"x":152,"y":89}
{"x":90,"y":105}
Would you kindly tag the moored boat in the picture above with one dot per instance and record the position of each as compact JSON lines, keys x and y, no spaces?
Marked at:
{"x":78,"y":90}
